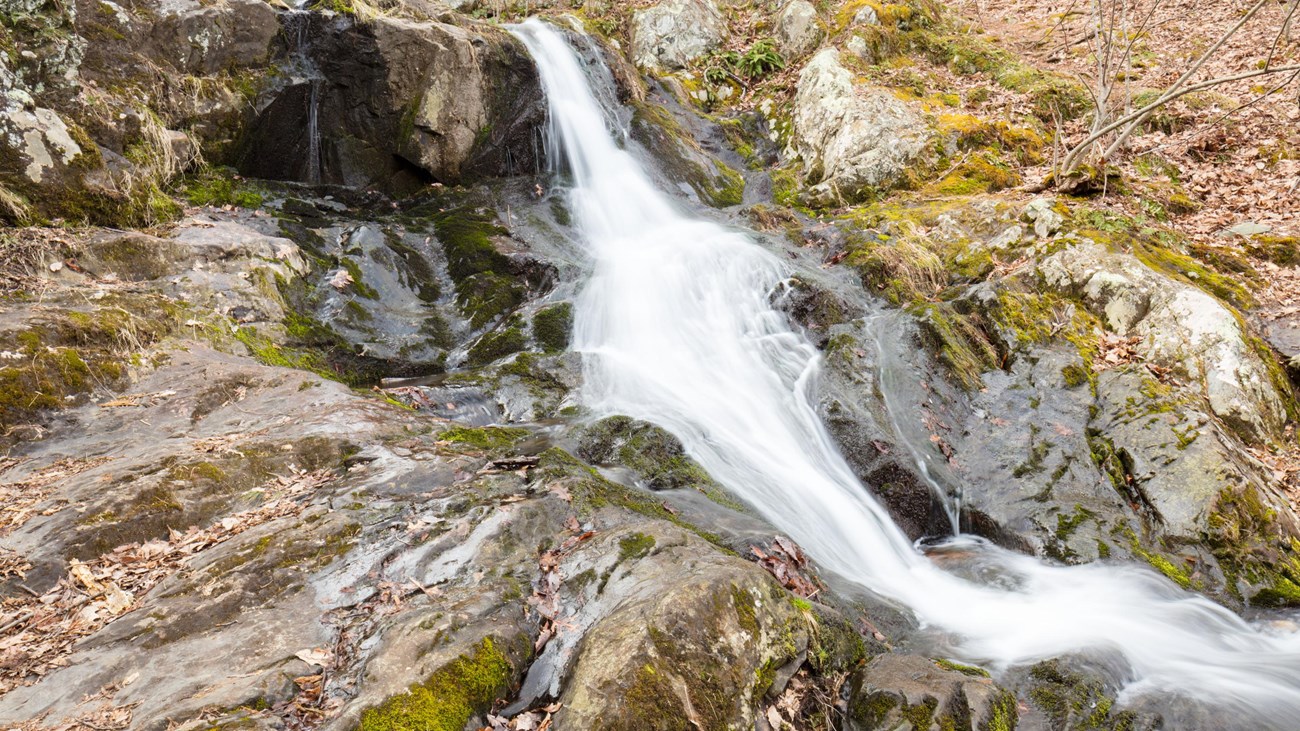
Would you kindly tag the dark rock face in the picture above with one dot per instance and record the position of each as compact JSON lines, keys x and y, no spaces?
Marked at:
{"x":400,"y":104}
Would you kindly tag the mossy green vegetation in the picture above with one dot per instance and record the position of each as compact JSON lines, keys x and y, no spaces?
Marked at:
{"x":1253,"y":550}
{"x":1074,"y":700}
{"x":654,"y":454}
{"x":219,"y":187}
{"x":970,"y":670}
{"x":552,"y":327}
{"x":486,"y":285}
{"x":496,"y":345}
{"x":450,"y":697}
{"x":634,"y":546}
{"x":683,"y":159}
{"x":60,"y":359}
{"x":1159,"y":248}
{"x":962,"y":341}
{"x":486,"y":438}
{"x":591,"y":492}
{"x":268,"y":352}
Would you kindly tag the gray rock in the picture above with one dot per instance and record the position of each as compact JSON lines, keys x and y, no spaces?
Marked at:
{"x":866,"y":16}
{"x":402,"y":96}
{"x":1181,"y":327}
{"x":852,"y":140}
{"x":894,"y":690}
{"x":797,"y":29}
{"x":675,"y":607}
{"x":857,"y":45}
{"x":1248,"y":228}
{"x":672,"y":34}
{"x":1041,"y":215}
{"x":209,"y":38}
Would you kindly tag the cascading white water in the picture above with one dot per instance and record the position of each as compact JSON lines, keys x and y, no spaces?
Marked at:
{"x":676,"y":328}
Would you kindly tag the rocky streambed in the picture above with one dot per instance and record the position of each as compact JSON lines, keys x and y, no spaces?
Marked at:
{"x":313,"y":455}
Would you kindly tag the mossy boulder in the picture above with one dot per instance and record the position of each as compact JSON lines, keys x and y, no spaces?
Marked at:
{"x":854,"y":142}
{"x":692,"y":639}
{"x":654,"y":454}
{"x":450,"y":697}
{"x":670,"y":35}
{"x":1182,"y":327}
{"x":896,"y":690}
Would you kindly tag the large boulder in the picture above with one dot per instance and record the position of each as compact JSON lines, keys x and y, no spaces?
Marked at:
{"x":672,"y":34}
{"x":797,"y":29}
{"x":207,"y":38}
{"x":909,"y":691}
{"x":677,"y":631}
{"x":400,"y":102}
{"x":1181,"y":327}
{"x":853,"y":141}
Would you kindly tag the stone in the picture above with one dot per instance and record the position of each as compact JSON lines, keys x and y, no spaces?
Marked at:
{"x":857,"y":45}
{"x":685,"y":630}
{"x":403,"y":101}
{"x":896,"y":690}
{"x":797,"y":29}
{"x":1041,"y":214}
{"x":207,"y":39}
{"x":1248,"y":229}
{"x":866,"y":15}
{"x":852,"y":140}
{"x":670,"y":35}
{"x":1181,"y":327}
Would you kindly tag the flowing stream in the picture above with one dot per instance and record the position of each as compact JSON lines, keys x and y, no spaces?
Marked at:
{"x":676,"y":327}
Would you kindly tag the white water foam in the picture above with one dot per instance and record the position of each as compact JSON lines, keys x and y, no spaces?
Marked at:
{"x":676,"y":328}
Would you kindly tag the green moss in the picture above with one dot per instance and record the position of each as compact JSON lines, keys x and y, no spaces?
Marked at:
{"x":448,"y":699}
{"x":635,"y":546}
{"x":486,"y":287}
{"x":960,"y":340}
{"x":268,"y":352}
{"x":1160,"y":249}
{"x":969,"y":132}
{"x":875,"y":708}
{"x":682,"y":158}
{"x":496,"y":345}
{"x":970,"y":670}
{"x":1075,"y":701}
{"x":727,"y":189}
{"x":220,"y":187}
{"x":552,"y":327}
{"x":487,"y":437}
{"x":654,"y":454}
{"x":591,"y":492}
{"x":1281,"y":250}
{"x":978,"y":173}
{"x":73,"y":353}
{"x":743,"y":602}
{"x":1076,"y":375}
{"x":1004,"y":714}
{"x":764,"y":676}
{"x":358,"y":285}
{"x":1243,"y":534}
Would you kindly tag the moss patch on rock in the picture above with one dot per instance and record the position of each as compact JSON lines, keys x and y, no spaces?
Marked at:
{"x":485,"y":438}
{"x":486,"y":286}
{"x":449,"y":698}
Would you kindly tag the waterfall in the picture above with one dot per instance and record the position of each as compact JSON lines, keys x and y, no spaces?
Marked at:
{"x":297,"y":30}
{"x":313,"y":132}
{"x":676,"y":328}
